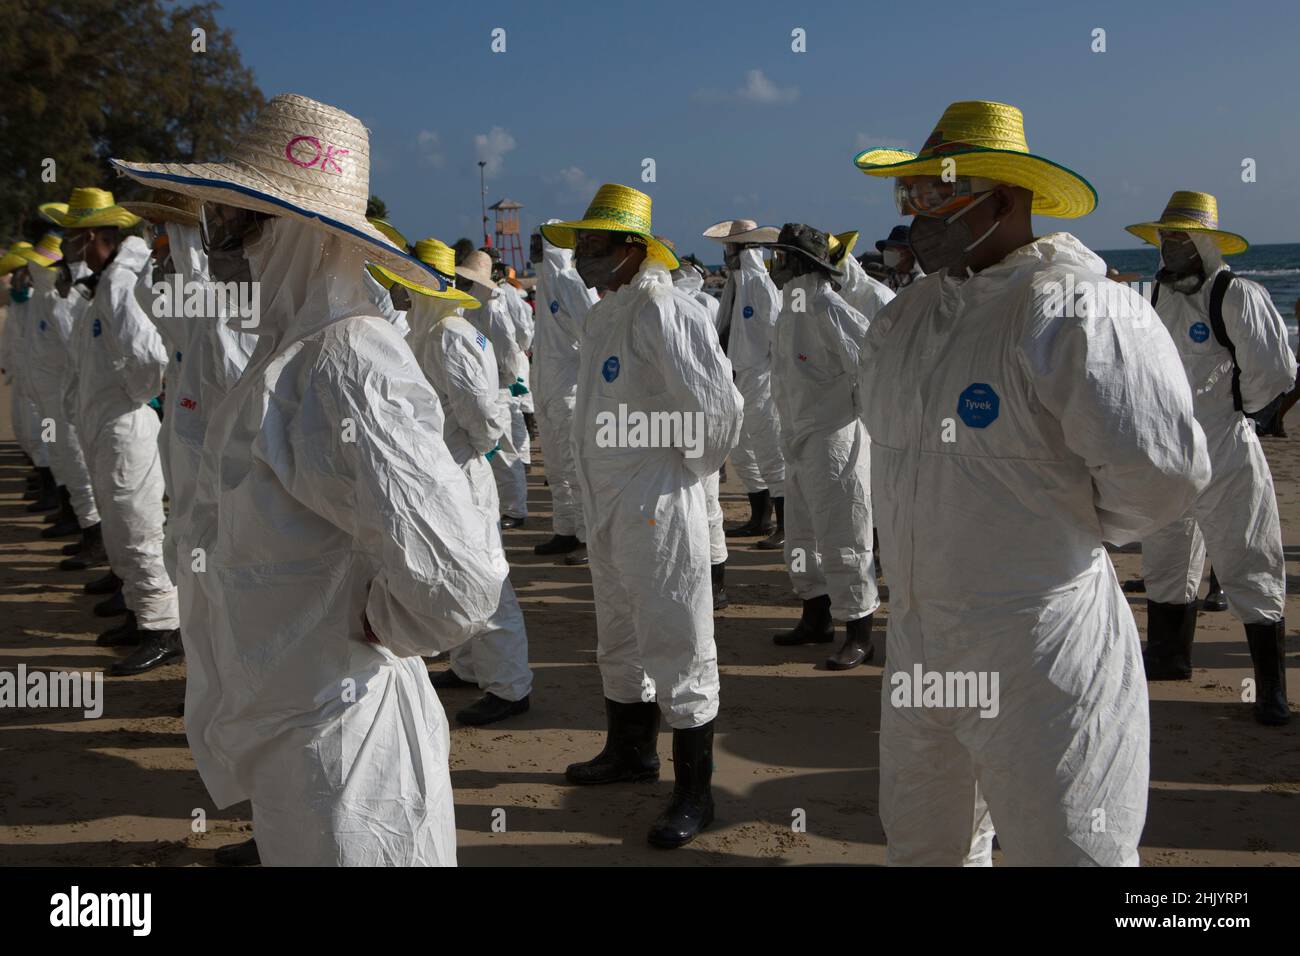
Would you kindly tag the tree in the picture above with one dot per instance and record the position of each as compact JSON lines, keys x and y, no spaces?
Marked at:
{"x":376,"y":208}
{"x":85,"y":80}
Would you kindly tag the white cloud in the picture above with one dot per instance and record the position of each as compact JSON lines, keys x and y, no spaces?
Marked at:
{"x":491,"y":148}
{"x":430,"y":147}
{"x":756,"y":89}
{"x":573,"y":184}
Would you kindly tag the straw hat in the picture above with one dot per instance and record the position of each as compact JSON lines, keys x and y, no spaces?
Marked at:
{"x":741,"y":231}
{"x":477,"y":267}
{"x":988,"y":140}
{"x":47,"y":251}
{"x":302,"y":159}
{"x":163,"y":205}
{"x":88,"y":208}
{"x":615,"y":209}
{"x":1188,"y":211}
{"x":443,"y":258}
{"x":14,"y":258}
{"x":840,"y":244}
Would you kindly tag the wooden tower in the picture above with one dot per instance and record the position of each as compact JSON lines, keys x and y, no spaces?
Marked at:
{"x":507,"y":233}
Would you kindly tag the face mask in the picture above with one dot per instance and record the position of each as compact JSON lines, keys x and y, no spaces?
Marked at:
{"x":1183,"y":270}
{"x":892,"y":258}
{"x":940,"y":244}
{"x":598,"y":270}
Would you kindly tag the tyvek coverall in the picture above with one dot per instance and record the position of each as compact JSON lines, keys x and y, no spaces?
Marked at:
{"x":651,"y":348}
{"x":496,"y":322}
{"x":325,"y":491}
{"x":121,"y":369}
{"x":458,"y":361}
{"x":383,"y":301}
{"x":563,"y":300}
{"x":815,"y":358}
{"x":1237,"y":512}
{"x":521,"y":316}
{"x":66,"y":317}
{"x":755,"y":306}
{"x":25,"y":414}
{"x":1069,"y":431}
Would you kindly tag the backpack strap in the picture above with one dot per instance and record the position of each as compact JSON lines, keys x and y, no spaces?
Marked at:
{"x":1217,"y":292}
{"x":1155,"y":294}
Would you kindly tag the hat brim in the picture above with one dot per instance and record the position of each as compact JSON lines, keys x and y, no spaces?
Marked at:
{"x":32,"y":256}
{"x":57,"y":213}
{"x":760,"y":236}
{"x":847,"y":241}
{"x":451,"y":293}
{"x":1058,"y":191}
{"x":161,"y":211}
{"x":883,"y":244}
{"x":828,"y":266}
{"x":222,"y":183}
{"x":564,"y":235}
{"x":1229,"y":243}
{"x":11,"y":261}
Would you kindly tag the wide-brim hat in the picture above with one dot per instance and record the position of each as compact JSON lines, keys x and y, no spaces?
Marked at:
{"x":302,"y":159}
{"x":47,"y":252}
{"x":804,"y":240}
{"x":899,"y":237}
{"x":840,"y":244}
{"x":741,"y":231}
{"x":477,"y":267}
{"x":987,"y":139}
{"x":14,"y":258}
{"x":1189,"y":211}
{"x":442,"y":257}
{"x":615,"y":209}
{"x":163,"y":205}
{"x":88,"y":208}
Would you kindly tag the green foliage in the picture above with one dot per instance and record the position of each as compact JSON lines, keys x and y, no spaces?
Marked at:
{"x":84,"y":80}
{"x":376,"y":208}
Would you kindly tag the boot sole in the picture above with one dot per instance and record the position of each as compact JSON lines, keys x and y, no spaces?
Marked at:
{"x":169,"y":659}
{"x":642,"y":777}
{"x":664,"y":844}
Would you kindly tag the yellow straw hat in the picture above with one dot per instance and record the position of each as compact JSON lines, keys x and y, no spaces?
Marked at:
{"x":615,"y":209}
{"x":163,"y":205}
{"x":1189,"y":211}
{"x":14,"y":258}
{"x":839,"y":246}
{"x":442,"y":257}
{"x":382,"y":275}
{"x":88,"y":208}
{"x":47,"y":251}
{"x":988,"y":140}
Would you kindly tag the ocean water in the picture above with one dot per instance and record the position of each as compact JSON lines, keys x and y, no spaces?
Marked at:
{"x":1275,"y":267}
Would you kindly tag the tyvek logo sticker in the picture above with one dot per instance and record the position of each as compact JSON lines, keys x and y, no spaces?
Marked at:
{"x":747,"y":311}
{"x":610,"y":369}
{"x":555,"y":307}
{"x":1199,"y":332}
{"x":96,"y":329}
{"x":977,"y":406}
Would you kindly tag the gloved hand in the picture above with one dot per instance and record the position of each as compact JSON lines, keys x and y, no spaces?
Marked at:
{"x":495,"y":448}
{"x":518,"y":388}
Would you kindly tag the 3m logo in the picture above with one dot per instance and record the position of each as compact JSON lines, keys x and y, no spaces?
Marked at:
{"x":802,"y":357}
{"x":189,"y":403}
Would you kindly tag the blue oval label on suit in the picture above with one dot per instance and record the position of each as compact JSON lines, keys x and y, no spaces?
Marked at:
{"x":96,"y":329}
{"x":1199,"y":332}
{"x":977,"y":405}
{"x":555,"y":307}
{"x":610,"y":369}
{"x":42,"y":325}
{"x":747,"y":311}
{"x":178,"y":356}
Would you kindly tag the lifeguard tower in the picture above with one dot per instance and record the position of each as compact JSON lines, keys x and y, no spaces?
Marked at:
{"x":507,"y":233}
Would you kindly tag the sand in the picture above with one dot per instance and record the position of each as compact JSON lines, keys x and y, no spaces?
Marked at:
{"x":794,"y":742}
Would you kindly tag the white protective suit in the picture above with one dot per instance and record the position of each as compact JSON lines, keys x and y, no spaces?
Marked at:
{"x":495,"y":320}
{"x":650,"y":348}
{"x":563,"y":301}
{"x":66,"y":316}
{"x":25,"y":413}
{"x":815,"y":357}
{"x":1007,"y":446}
{"x":325,"y":491}
{"x":1236,"y":515}
{"x":457,"y":359}
{"x":206,"y":356}
{"x":521,"y":314}
{"x":755,"y":304}
{"x":859,"y":290}
{"x":51,"y":320}
{"x":121,"y":369}
{"x":383,"y":301}
{"x":689,"y":280}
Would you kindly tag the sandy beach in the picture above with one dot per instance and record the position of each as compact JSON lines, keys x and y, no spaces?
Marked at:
{"x":122,"y":789}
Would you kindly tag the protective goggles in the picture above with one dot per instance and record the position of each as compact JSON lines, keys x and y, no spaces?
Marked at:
{"x":938,"y":197}
{"x":226,"y":228}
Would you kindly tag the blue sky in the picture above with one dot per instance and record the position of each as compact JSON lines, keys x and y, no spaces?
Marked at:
{"x":739,"y":125}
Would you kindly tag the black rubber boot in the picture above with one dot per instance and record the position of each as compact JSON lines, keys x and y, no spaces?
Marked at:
{"x":238,"y":854}
{"x":857,"y":647}
{"x":155,"y":649}
{"x":631,"y":747}
{"x":577,"y":558}
{"x":64,"y":511}
{"x":776,"y":541}
{"x":691,"y":808}
{"x":530,"y":425}
{"x":449,"y":680}
{"x":126,"y":634}
{"x":1268,"y":654}
{"x":1171,"y":628}
{"x":510,"y":521}
{"x":47,"y":495}
{"x":1135,"y":586}
{"x":105,"y":585}
{"x":65,"y":523}
{"x":490,"y":708}
{"x":559,"y":544}
{"x":1214,"y":600}
{"x":718,"y":575}
{"x":92,"y":551}
{"x":757,"y":524}
{"x":112,"y":606}
{"x":814,"y":627}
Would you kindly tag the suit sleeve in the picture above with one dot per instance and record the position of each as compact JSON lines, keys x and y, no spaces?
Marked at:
{"x":1263,"y":348}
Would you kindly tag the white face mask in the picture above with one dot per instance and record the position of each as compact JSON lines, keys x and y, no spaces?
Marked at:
{"x":892,"y":258}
